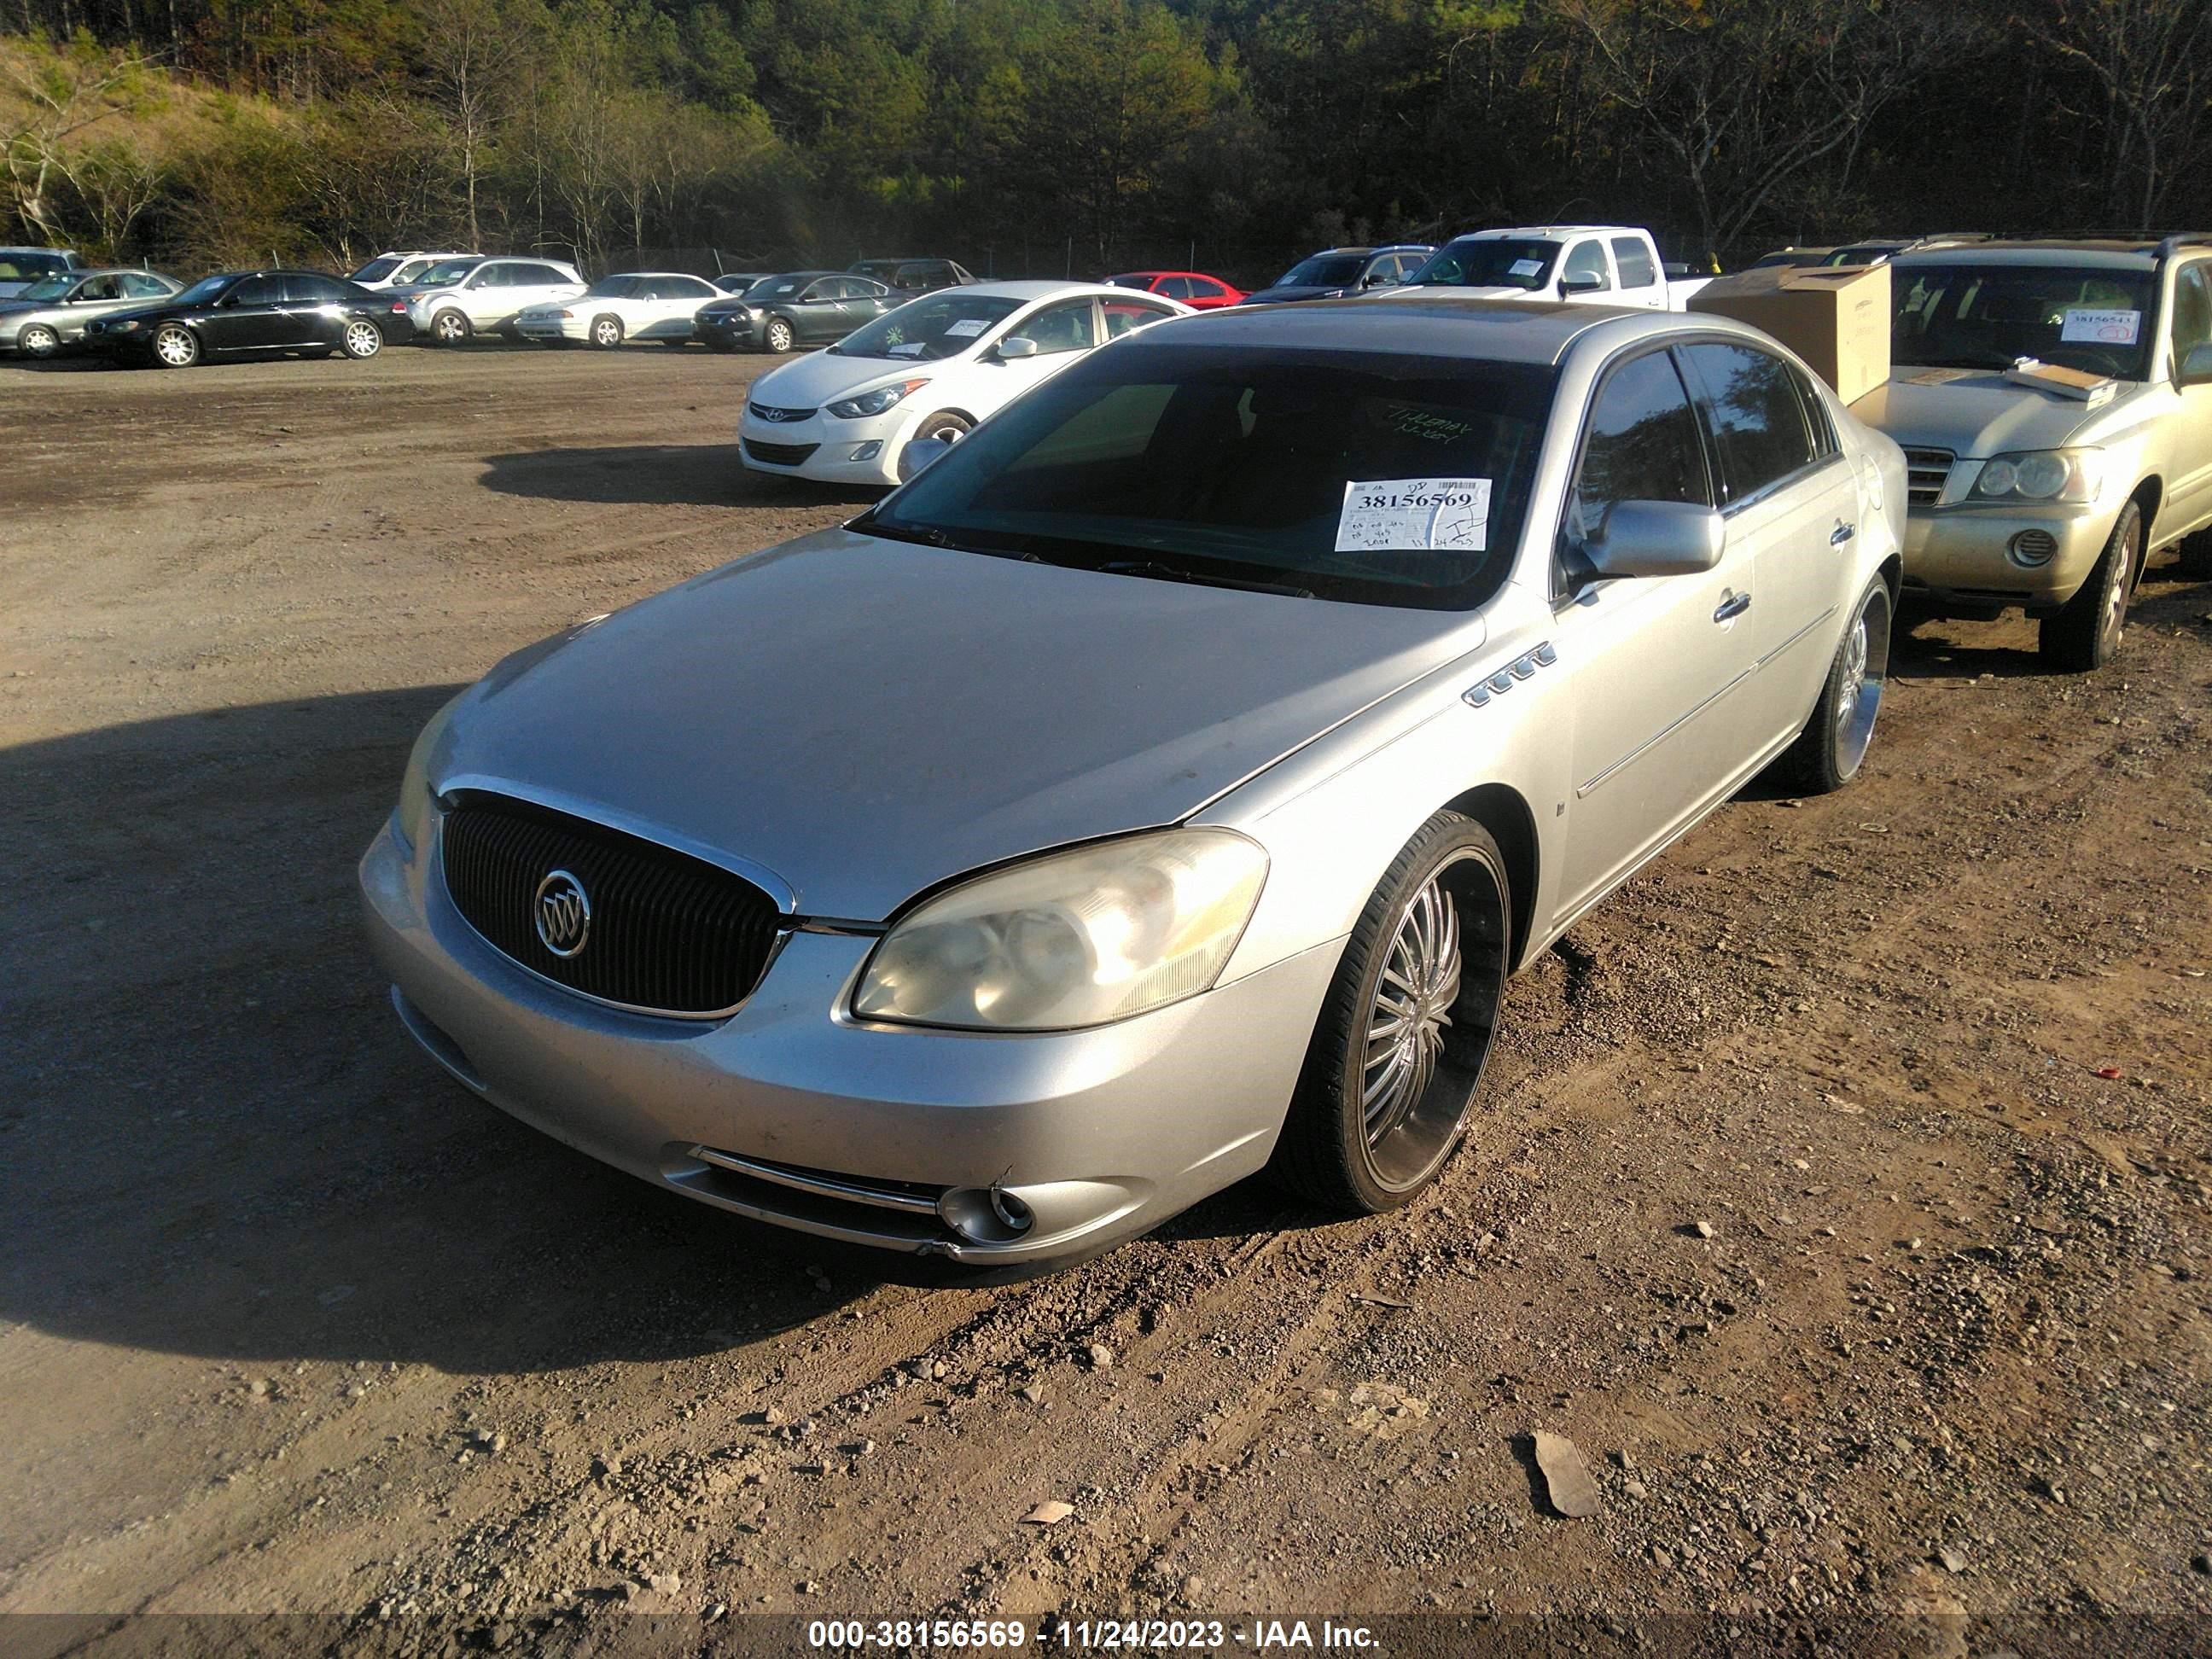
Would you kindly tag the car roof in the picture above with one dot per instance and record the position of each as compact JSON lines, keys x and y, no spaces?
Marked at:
{"x":1499,"y":233}
{"x":121,"y":270}
{"x":2123,"y":253}
{"x":692,"y":275}
{"x":1494,"y":330}
{"x":1040,"y":290}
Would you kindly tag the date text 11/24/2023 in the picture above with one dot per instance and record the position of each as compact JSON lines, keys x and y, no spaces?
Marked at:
{"x":1088,"y":1635}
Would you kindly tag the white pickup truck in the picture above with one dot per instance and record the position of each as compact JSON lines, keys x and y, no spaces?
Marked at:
{"x":1595,"y":264}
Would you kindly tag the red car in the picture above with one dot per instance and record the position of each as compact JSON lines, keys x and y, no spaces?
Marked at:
{"x":1192,"y":288}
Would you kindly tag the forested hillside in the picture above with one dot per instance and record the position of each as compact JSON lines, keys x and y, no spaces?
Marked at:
{"x":1034,"y":136}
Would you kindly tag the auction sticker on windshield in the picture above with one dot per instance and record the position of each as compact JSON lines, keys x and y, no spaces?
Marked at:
{"x":966,"y":325}
{"x":1526,"y":267}
{"x":2100,"y":327}
{"x":1391,"y":514}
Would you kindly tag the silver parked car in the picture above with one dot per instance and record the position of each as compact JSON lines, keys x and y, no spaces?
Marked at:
{"x":1160,"y":786}
{"x":49,"y":316}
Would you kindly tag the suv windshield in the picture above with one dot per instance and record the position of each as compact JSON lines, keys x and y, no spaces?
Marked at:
{"x":1338,"y":475}
{"x":1324,"y":271}
{"x":444,"y":275}
{"x":1513,"y":262}
{"x":938,"y":325}
{"x":375,"y":270}
{"x":1990,"y":316}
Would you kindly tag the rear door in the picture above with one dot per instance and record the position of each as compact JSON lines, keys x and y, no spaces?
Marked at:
{"x":1657,"y":661}
{"x":316,"y":306}
{"x":1791,"y":504}
{"x":1586,"y":260}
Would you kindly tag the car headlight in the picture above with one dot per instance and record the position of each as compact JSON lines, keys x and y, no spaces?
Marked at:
{"x":122,"y":326}
{"x":2039,"y":474}
{"x":417,"y":803}
{"x":1070,"y":939}
{"x":873,"y":402}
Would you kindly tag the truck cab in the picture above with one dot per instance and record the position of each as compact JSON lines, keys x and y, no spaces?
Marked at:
{"x":1590,"y":265}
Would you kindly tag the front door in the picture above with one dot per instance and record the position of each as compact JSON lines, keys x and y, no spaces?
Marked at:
{"x":252,"y":317}
{"x":2190,"y":504}
{"x":1659,"y":662}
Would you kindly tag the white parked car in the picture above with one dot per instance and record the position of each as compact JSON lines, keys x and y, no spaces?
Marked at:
{"x":401,"y":268}
{"x":932,"y":368}
{"x":1594,"y":265}
{"x":638,"y":305}
{"x":462,"y":298}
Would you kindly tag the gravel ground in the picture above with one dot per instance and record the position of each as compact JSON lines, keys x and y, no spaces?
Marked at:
{"x":1840,"y":1189}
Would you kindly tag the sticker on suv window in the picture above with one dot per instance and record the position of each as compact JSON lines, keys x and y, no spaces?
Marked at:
{"x":1525,"y":267}
{"x":2100,"y":327}
{"x":965,"y":326}
{"x":1391,"y":514}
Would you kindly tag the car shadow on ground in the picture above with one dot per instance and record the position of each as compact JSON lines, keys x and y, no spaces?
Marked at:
{"x":658,"y":475}
{"x":1926,"y":647}
{"x":217,"y":1139}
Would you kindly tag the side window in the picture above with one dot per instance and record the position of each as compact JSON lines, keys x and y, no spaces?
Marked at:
{"x":1587,"y":259}
{"x":536,"y":276}
{"x":411,"y":271}
{"x":1203,"y":288}
{"x":1123,"y":316}
{"x":1644,"y":444}
{"x":100,"y":287}
{"x":258,"y":291}
{"x":825,"y":289}
{"x":2192,"y":310}
{"x":1175,"y":288}
{"x":690,"y":288}
{"x":139,"y":286}
{"x":1407,"y":263}
{"x":487,"y":277}
{"x":1757,"y":414}
{"x":1637,"y":269}
{"x":1823,"y":430}
{"x":313,"y":291}
{"x":1063,"y":327}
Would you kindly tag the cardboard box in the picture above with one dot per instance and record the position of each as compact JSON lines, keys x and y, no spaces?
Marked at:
{"x":1836,"y":318}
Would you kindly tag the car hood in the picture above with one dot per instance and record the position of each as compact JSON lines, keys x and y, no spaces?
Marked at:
{"x":865,"y":719}
{"x":16,"y":307}
{"x":1269,"y":296}
{"x":1980,"y":414}
{"x":1471,"y":291}
{"x":810,"y":381}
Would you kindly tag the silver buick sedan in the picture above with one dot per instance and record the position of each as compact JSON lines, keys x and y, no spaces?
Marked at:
{"x":1158,"y":788}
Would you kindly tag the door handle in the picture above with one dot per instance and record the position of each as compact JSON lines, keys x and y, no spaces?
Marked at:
{"x":1842,"y":533}
{"x":1732,"y":604}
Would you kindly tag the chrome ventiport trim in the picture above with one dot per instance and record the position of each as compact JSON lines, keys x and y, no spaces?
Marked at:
{"x":1522,"y":667}
{"x":821,"y":1186}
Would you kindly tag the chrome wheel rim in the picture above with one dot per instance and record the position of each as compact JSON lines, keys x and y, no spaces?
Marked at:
{"x":607,"y":334}
{"x":1429,"y":1021}
{"x":779,"y":337}
{"x":449,"y":327}
{"x":174,"y":347}
{"x":1858,"y":694}
{"x":363,"y":340}
{"x":40,"y":342}
{"x":2116,"y":597}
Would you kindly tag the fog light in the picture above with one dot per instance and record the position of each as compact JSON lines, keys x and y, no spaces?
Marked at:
{"x":985,"y":1216}
{"x":868,"y":450}
{"x":2033,"y":547}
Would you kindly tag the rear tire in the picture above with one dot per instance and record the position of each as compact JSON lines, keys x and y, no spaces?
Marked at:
{"x":1829,"y":752}
{"x":2086,"y":634}
{"x":362,"y":340}
{"x":1406,"y":1027}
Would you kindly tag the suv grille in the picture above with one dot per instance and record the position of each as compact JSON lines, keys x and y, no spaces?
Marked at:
{"x":779,"y":454}
{"x":1926,"y":472}
{"x":669,"y":934}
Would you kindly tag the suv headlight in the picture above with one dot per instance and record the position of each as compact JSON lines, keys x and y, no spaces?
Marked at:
{"x":874,"y":403}
{"x":2039,"y":474}
{"x":417,"y":803}
{"x":1071,"y":940}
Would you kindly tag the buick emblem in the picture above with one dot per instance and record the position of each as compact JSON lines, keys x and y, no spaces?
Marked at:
{"x":563,"y":911}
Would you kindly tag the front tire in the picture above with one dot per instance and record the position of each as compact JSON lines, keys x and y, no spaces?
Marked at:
{"x":777,"y":336}
{"x":362,"y":340}
{"x":606,"y":332}
{"x":1829,"y":752}
{"x":2086,"y":634}
{"x":451,"y":328}
{"x":1406,"y":1027}
{"x":38,"y":341}
{"x":176,"y":346}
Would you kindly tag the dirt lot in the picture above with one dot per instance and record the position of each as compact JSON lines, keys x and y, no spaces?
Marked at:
{"x":290,"y":1322}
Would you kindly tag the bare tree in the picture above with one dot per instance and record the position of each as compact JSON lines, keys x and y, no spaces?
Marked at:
{"x":116,"y":181}
{"x":475,"y":48}
{"x":1753,"y":95}
{"x":2152,"y":61}
{"x":50,"y":97}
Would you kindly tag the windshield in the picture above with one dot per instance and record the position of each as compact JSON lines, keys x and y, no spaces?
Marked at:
{"x":1504,"y":263}
{"x":1377,"y":479}
{"x":1134,"y":279}
{"x":1324,"y":271}
{"x":23,"y":267}
{"x":611,"y":288}
{"x":777,"y":288}
{"x":376,"y":270}
{"x":1990,"y":316}
{"x":446,"y":274}
{"x":938,"y":326}
{"x":49,"y":287}
{"x":206,"y":289}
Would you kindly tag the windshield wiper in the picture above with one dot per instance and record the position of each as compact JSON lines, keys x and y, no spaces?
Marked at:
{"x":1176,"y":573}
{"x":868,"y":524}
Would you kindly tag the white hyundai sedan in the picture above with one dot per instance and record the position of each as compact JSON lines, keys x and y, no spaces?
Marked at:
{"x":637,"y":304}
{"x":933,"y":368}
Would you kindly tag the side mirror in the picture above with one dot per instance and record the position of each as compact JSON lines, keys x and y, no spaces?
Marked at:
{"x":1656,"y":538}
{"x":1373,"y":279}
{"x":2197,"y":366}
{"x":1015,"y":346}
{"x":919,"y":453}
{"x":1582,"y":282}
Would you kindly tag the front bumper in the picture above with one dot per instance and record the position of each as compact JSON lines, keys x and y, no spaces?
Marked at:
{"x":577,"y":329}
{"x":828,"y":449}
{"x":743,"y":332}
{"x":1101,"y":1134}
{"x":1964,"y":553}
